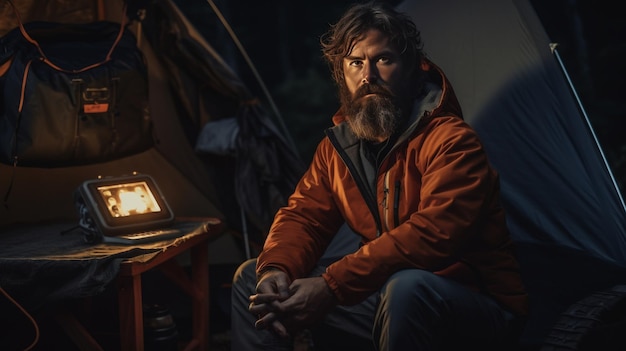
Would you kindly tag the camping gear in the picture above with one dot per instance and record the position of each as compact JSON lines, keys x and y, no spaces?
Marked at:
{"x":72,"y":94}
{"x":189,"y":86}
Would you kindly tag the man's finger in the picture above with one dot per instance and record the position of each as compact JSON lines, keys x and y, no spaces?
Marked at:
{"x":263,"y":298}
{"x":265,"y":320}
{"x":270,"y":321}
{"x":279,"y":328}
{"x":261,"y":309}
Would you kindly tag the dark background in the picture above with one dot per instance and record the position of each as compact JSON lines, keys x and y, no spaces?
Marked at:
{"x":281,"y":38}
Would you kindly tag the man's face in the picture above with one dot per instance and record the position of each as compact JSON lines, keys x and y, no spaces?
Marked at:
{"x":376,"y":87}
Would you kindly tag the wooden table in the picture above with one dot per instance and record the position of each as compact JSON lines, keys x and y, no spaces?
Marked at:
{"x":129,"y":291}
{"x":196,"y":285}
{"x":64,"y":270}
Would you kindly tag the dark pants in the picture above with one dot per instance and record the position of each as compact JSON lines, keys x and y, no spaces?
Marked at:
{"x":414,"y":310}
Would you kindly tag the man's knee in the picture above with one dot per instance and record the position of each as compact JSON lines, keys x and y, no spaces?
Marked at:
{"x":244,"y":283}
{"x":245,"y":272}
{"x":419,"y":297}
{"x":432,"y":308}
{"x":409,"y":284}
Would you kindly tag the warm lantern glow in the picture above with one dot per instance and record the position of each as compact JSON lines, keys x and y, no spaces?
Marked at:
{"x":128,"y":199}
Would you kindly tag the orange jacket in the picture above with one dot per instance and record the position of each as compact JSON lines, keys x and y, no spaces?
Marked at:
{"x":435,"y":206}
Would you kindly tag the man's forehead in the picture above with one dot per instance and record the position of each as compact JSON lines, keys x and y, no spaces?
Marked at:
{"x":372,"y":40}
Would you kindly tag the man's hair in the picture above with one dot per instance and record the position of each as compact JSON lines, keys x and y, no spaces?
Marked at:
{"x":340,"y":39}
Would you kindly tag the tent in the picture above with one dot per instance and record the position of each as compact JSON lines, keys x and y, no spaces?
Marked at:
{"x":565,"y":212}
{"x":217,"y":152}
{"x":249,"y":167}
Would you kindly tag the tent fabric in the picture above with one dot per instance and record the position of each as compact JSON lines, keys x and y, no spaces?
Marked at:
{"x":563,"y":206}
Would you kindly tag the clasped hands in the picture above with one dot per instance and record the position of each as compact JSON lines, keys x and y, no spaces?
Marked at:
{"x":284,"y":307}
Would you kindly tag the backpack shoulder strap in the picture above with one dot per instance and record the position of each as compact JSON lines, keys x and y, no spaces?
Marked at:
{"x":45,"y":59}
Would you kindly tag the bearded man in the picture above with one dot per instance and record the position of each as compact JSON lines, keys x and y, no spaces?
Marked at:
{"x":435,"y":267}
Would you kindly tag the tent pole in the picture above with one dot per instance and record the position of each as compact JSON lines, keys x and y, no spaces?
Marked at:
{"x":254,"y":71}
{"x":553,"y":47}
{"x":244,"y":227}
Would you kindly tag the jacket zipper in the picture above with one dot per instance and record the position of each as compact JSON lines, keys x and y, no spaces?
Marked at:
{"x":396,"y":204}
{"x":385,"y":202}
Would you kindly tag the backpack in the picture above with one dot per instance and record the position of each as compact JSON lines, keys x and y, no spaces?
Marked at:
{"x":72,"y":94}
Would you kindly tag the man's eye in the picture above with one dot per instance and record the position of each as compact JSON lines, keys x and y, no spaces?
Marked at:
{"x":356,"y":63}
{"x":384,"y":60}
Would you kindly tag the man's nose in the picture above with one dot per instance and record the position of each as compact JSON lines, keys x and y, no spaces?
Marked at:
{"x":369,"y":74}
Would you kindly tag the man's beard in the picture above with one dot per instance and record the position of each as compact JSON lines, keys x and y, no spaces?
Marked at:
{"x":374,"y":118}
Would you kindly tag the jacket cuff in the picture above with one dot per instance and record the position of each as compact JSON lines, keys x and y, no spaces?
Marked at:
{"x":264,"y":270}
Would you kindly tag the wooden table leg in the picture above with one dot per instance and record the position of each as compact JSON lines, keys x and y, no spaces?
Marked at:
{"x":200,"y":277}
{"x":131,"y":312}
{"x":76,"y":331}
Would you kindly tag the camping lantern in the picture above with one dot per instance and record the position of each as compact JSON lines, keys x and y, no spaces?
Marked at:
{"x":113,"y":205}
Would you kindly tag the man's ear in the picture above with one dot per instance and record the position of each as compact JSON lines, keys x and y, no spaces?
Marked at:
{"x":425,"y":64}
